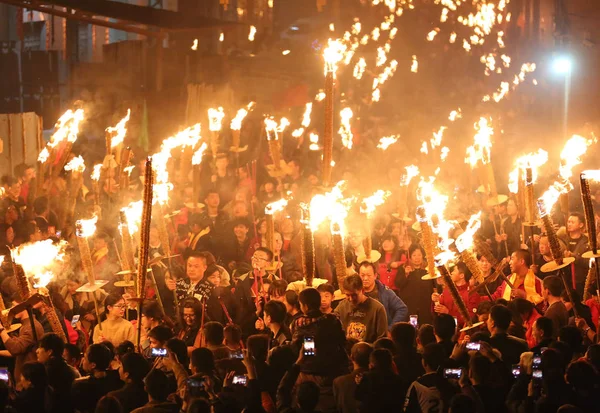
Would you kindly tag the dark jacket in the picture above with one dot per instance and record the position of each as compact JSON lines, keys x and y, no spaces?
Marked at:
{"x":131,"y":396}
{"x":409,"y":365}
{"x":86,"y":391}
{"x":509,"y":346}
{"x":158,"y":407}
{"x":395,"y":308}
{"x":33,"y":400}
{"x":245,"y":302}
{"x":60,"y":378}
{"x":416,"y":293}
{"x":343,"y":392}
{"x":379,"y":391}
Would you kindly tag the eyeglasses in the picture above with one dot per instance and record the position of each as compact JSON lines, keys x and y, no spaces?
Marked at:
{"x":254,"y":257}
{"x":189,"y":316}
{"x":120,"y":306}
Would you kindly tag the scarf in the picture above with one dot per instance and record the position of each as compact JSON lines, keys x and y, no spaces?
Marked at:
{"x":529,"y":286}
{"x":194,"y":238}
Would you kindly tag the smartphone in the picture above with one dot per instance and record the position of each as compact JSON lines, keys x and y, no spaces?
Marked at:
{"x":196,"y":383}
{"x":58,"y":234}
{"x":537,"y":361}
{"x":455,"y":321}
{"x":414,"y":320}
{"x":309,"y":346}
{"x":74,"y":320}
{"x":473,"y":346}
{"x":237,"y":354}
{"x":516,"y":370}
{"x":452,"y":373}
{"x":4,"y":374}
{"x":240,"y":379}
{"x":537,"y":374}
{"x":159,"y":352}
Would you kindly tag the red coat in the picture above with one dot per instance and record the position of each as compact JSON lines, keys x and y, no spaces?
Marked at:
{"x":594,"y":309}
{"x":528,"y":324}
{"x":471,"y":301}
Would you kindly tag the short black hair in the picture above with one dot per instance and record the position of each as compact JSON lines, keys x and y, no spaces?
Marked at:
{"x":278,"y":288}
{"x":266,"y":251}
{"x":100,"y":355}
{"x":213,"y":332}
{"x":572,"y":336}
{"x":579,"y":216}
{"x":74,"y":351}
{"x":434,"y":355}
{"x":276,"y":310}
{"x":232,"y":332}
{"x":386,"y":343}
{"x":554,"y":284}
{"x":36,"y":373}
{"x":480,"y":367}
{"x":152,"y":309}
{"x":136,"y":365}
{"x":426,"y":334}
{"x":202,"y":359}
{"x":545,"y":325}
{"x":463,"y":269}
{"x":360,"y":354}
{"x":525,"y":256}
{"x":258,"y":347}
{"x":582,"y":375}
{"x":326,"y":288}
{"x":293,"y":299}
{"x":179,"y":348}
{"x":444,"y":326}
{"x":368,"y":264}
{"x":161,"y":334}
{"x":157,"y":385}
{"x":353,"y":283}
{"x":311,"y":298}
{"x":241,"y":221}
{"x":381,"y":359}
{"x":40,"y":205}
{"x":403,"y":335}
{"x":52,"y":342}
{"x":501,"y":316}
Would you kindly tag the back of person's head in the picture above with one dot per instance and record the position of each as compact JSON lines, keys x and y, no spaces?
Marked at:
{"x":123,"y":348}
{"x":278,"y":288}
{"x":361,"y":353}
{"x":213,"y":333}
{"x":73,"y":351}
{"x":161,"y":334}
{"x":572,"y":336}
{"x":153,"y":310}
{"x":569,"y":408}
{"x":444,"y":326}
{"x":461,"y":403}
{"x":554,"y":285}
{"x":582,"y":376}
{"x":258,"y":347}
{"x":481,"y":336}
{"x":157,"y":385}
{"x":179,"y":348}
{"x":293,"y":299}
{"x":52,"y":342}
{"x":545,"y":325}
{"x":386,"y":343}
{"x":282,"y":357}
{"x":426,"y":335}
{"x":199,"y":405}
{"x":308,"y":396}
{"x":403,"y":335}
{"x":479,"y":368}
{"x":232,"y":333}
{"x":501,"y":316}
{"x":100,"y":355}
{"x":276,"y":311}
{"x":522,"y":306}
{"x":40,"y":205}
{"x":311,"y":298}
{"x":136,"y":366}
{"x":202,"y":360}
{"x":563,"y":349}
{"x":109,"y":404}
{"x":381,"y":359}
{"x":553,"y":365}
{"x":35,"y":373}
{"x":433,"y":356}
{"x":593,"y":355}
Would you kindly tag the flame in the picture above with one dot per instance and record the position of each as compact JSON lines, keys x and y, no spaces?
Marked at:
{"x":480,"y":151}
{"x":195,"y":45}
{"x":197,"y":157}
{"x":411,"y":172}
{"x":370,"y":203}
{"x":431,"y":35}
{"x":455,"y":114}
{"x":276,"y":206}
{"x":43,"y":279}
{"x":133,"y":214}
{"x":96,"y":172}
{"x":434,"y":204}
{"x":271,"y":126}
{"x":444,"y":154}
{"x":306,"y":116}
{"x":331,"y":27}
{"x":414,"y":67}
{"x":119,"y":130}
{"x":215,"y":118}
{"x":252,"y":33}
{"x":333,"y":54}
{"x":571,"y":154}
{"x":314,"y":142}
{"x":320,"y":96}
{"x":221,"y":36}
{"x":452,"y":38}
{"x":381,"y":57}
{"x":128,"y":169}
{"x":331,"y":205}
{"x":532,"y":160}
{"x":437,"y":137}
{"x":345,"y":129}
{"x":85,"y":228}
{"x":465,"y":240}
{"x":67,"y":127}
{"x":359,"y":68}
{"x":444,"y":257}
{"x":589,"y":174}
{"x":386,"y":141}
{"x":76,"y":165}
{"x":43,"y":156}
{"x":236,"y":123}
{"x":40,"y":257}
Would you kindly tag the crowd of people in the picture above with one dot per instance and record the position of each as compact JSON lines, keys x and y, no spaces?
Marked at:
{"x":229,"y":324}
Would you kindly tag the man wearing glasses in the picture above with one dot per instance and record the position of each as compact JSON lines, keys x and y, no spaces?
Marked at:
{"x":250,"y":293}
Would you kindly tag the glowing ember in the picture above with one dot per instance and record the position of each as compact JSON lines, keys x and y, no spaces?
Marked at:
{"x":252,"y":33}
{"x":345,"y":129}
{"x":96,"y":172}
{"x":386,"y":141}
{"x":195,"y":45}
{"x":370,"y":203}
{"x":444,"y":154}
{"x":119,"y":131}
{"x":43,"y":156}
{"x":85,"y":228}
{"x":414,"y":67}
{"x":320,"y":96}
{"x":437,"y":137}
{"x":532,"y":160}
{"x":221,"y":37}
{"x":465,"y":240}
{"x":215,"y":118}
{"x":76,"y":164}
{"x":359,"y":69}
{"x":306,"y":116}
{"x":285,"y":52}
{"x":455,"y":114}
{"x":431,"y":35}
{"x":314,"y":142}
{"x":452,"y":38}
{"x":276,"y":206}
{"x":480,"y":151}
{"x":133,"y":214}
{"x":197,"y":157}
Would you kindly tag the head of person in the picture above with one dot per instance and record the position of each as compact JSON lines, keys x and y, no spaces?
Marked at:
{"x":277,"y":243}
{"x":593,"y":355}
{"x":385,"y":343}
{"x":542,"y":329}
{"x":520,"y":261}
{"x":511,"y":208}
{"x":72,"y":355}
{"x":461,"y":274}
{"x":157,"y":385}
{"x":196,"y":223}
{"x":33,"y":375}
{"x":152,"y":314}
{"x":24,"y":172}
{"x":552,"y":287}
{"x":368,"y":275}
{"x":308,"y":396}
{"x":213,"y":333}
{"x":179,"y":349}
{"x":101,"y":241}
{"x":461,"y":403}
{"x":124,"y":348}
{"x":433,"y":357}
{"x":50,"y":345}
{"x":310,"y":300}
{"x":108,"y":404}
{"x":499,"y":319}
{"x":240,"y":209}
{"x":275,"y":313}
{"x":360,"y":354}
{"x":582,"y":376}
{"x":196,"y":265}
{"x":381,"y":359}
{"x":417,"y":255}
{"x":484,"y":264}
{"x":191,"y":312}
{"x":213,"y":275}
{"x":444,"y":327}
{"x":115,"y":305}
{"x":258,"y":347}
{"x":202,"y":361}
{"x":403,"y":335}
{"x":553,"y":365}
{"x":97,"y":358}
{"x":241,"y":226}
{"x":425,"y":336}
{"x":389,"y":244}
{"x":572,"y":336}
{"x":544,"y":245}
{"x":291,"y":299}
{"x":133,"y":368}
{"x":277,"y":290}
{"x":262,"y":258}
{"x":232,"y":334}
{"x":327,"y":292}
{"x":479,"y":369}
{"x":212,"y":199}
{"x":575,"y":223}
{"x":353,"y":288}
{"x":159,"y":336}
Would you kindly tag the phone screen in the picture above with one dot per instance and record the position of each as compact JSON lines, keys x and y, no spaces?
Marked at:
{"x":452,"y":373}
{"x":516,"y":370}
{"x":237,"y":354}
{"x":4,"y":374}
{"x":537,"y":374}
{"x":473,"y":346}
{"x":74,"y":320}
{"x":309,"y":346}
{"x":537,"y":360}
{"x":240,"y":379}
{"x":456,"y":322}
{"x":159,"y":352}
{"x":414,"y":320}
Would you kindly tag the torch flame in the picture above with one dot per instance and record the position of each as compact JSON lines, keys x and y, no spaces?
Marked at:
{"x":370,"y":204}
{"x":271,"y":126}
{"x":345,"y":129}
{"x":571,"y":154}
{"x":133,"y":214}
{"x":38,"y":257}
{"x":43,"y":156}
{"x":119,"y":130}
{"x":96,"y":172}
{"x":444,"y":257}
{"x":276,"y":206}
{"x":480,"y":151}
{"x":252,"y":33}
{"x":43,"y":279}
{"x":314,"y":142}
{"x":331,"y":205}
{"x":465,"y":240}
{"x":215,"y":118}
{"x":411,"y":172}
{"x":333,"y":54}
{"x":67,"y":127}
{"x":76,"y":164}
{"x":197,"y":157}
{"x":386,"y":141}
{"x":306,"y":116}
{"x":589,"y":174}
{"x":85,"y":228}
{"x":236,"y":123}
{"x":532,"y":160}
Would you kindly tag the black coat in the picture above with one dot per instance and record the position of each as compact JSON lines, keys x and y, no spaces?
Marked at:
{"x":509,"y":346}
{"x":416,"y":293}
{"x":86,"y":391}
{"x":131,"y":396}
{"x":60,"y":378}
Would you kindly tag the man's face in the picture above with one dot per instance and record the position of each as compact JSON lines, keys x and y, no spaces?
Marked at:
{"x":484,"y":264}
{"x":545,"y":293}
{"x":260,"y":260}
{"x":154,"y":343}
{"x":536,"y":333}
{"x":277,"y":242}
{"x":573,"y":224}
{"x":368,"y":277}
{"x":213,"y":200}
{"x":122,"y":375}
{"x":490,"y":324}
{"x":354,"y":297}
{"x":195,"y":268}
{"x":326,"y":299}
{"x":267,"y":320}
{"x":455,"y":275}
{"x":15,"y":189}
{"x":87,"y":366}
{"x":42,"y":354}
{"x":240,"y":231}
{"x":515,"y":262}
{"x":188,"y":316}
{"x":544,"y":246}
{"x":99,"y":243}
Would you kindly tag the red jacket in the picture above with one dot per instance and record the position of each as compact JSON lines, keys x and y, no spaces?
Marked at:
{"x":471,"y":301}
{"x":594,"y":309}
{"x":528,"y":324}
